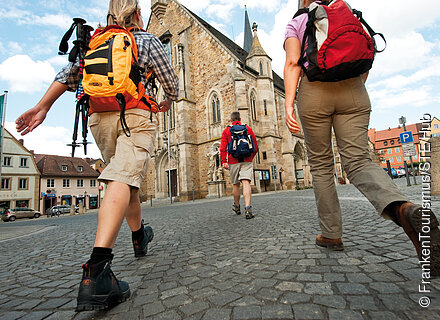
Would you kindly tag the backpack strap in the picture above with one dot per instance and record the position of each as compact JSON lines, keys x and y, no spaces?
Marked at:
{"x":308,"y":35}
{"x":358,"y":14}
{"x":300,"y":12}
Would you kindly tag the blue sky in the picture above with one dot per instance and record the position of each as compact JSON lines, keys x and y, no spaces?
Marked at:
{"x":404,"y":79}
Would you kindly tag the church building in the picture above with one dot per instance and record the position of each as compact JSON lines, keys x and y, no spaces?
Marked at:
{"x":217,"y":77}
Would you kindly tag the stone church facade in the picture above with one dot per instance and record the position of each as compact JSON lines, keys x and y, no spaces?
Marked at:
{"x":217,"y":77}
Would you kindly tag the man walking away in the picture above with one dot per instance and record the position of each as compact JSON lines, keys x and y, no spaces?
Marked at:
{"x":237,"y":150}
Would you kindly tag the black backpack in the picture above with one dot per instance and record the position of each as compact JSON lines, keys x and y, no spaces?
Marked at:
{"x":241,"y":144}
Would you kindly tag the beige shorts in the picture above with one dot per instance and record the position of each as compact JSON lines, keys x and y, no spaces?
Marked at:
{"x":241,"y":171}
{"x":127,"y":158}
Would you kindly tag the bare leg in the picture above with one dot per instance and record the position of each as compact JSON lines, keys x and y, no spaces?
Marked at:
{"x":236,"y":193}
{"x":133,"y":213}
{"x":247,"y":192}
{"x":111,"y":214}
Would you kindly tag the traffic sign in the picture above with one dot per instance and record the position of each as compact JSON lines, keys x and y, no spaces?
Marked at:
{"x":406,"y":137}
{"x":409,"y":149}
{"x":274,"y":172}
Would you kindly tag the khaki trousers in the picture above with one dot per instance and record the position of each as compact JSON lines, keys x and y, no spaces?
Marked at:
{"x":345,"y":107}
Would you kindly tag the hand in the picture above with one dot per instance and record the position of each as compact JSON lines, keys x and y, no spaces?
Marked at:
{"x":225,"y":165}
{"x":291,"y":122}
{"x":165,"y":105}
{"x":29,"y":120}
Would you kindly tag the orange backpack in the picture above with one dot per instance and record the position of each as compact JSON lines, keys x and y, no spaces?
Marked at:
{"x":112,"y":75}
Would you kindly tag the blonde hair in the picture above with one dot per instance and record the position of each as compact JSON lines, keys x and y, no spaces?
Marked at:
{"x":121,"y":12}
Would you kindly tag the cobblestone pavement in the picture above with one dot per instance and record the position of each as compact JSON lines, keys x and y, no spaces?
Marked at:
{"x":207,"y":263}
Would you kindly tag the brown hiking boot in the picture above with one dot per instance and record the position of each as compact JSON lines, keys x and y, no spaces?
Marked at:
{"x":421,"y":226}
{"x":332,"y":244}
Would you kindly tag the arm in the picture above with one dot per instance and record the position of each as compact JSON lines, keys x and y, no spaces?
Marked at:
{"x":292,"y":73}
{"x":164,"y":72}
{"x":224,"y":149}
{"x":32,"y":118}
{"x":254,"y":139}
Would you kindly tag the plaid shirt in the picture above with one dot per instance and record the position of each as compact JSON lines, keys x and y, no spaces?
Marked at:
{"x":151,"y":56}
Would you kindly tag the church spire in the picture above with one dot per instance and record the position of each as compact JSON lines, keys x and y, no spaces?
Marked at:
{"x":247,"y":32}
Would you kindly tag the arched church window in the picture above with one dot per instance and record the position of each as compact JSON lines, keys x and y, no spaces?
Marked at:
{"x":253,"y":106}
{"x":215,"y":107}
{"x":261,"y":69}
{"x":170,"y":113}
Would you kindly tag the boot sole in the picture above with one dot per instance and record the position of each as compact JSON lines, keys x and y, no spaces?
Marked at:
{"x":102,"y":302}
{"x":416,"y":220}
{"x":331,"y":246}
{"x":249,"y":216}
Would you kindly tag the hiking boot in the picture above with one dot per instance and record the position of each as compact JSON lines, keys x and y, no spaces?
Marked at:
{"x":99,"y":288}
{"x":421,"y":224}
{"x":248,"y":212}
{"x":236,"y":208}
{"x":332,"y":244}
{"x":141,"y":248}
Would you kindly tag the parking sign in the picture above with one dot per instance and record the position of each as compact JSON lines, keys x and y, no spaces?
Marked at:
{"x":406,"y":137}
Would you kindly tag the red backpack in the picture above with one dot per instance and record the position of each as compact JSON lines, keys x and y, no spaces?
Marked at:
{"x":338,"y":44}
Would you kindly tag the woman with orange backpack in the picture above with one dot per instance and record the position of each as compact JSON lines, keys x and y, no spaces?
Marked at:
{"x":126,"y":153}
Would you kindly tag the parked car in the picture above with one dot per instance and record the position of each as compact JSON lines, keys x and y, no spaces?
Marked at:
{"x":17,"y":213}
{"x":400,"y":172}
{"x":393,"y":172}
{"x":61,"y":209}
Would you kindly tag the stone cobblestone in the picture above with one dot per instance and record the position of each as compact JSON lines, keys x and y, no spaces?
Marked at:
{"x":205,"y":263}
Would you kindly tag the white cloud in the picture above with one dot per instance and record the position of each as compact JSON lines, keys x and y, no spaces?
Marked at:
{"x":53,"y":140}
{"x":25,"y":75}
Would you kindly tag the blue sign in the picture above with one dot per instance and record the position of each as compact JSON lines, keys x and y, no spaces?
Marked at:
{"x":406,"y":137}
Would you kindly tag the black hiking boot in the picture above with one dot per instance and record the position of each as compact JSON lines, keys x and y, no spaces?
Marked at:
{"x":141,"y":248}
{"x":99,"y":288}
{"x":248,"y":212}
{"x":236,"y":209}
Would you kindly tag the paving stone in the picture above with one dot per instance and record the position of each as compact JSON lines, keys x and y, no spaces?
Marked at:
{"x":362,"y":302}
{"x":344,"y":315}
{"x":277,"y":311}
{"x":152,"y":308}
{"x":307,"y":311}
{"x":337,"y":302}
{"x":194,"y":307}
{"x":396,"y":302}
{"x":385,"y":287}
{"x":290,"y":286}
{"x":13,"y":315}
{"x":36,"y":315}
{"x":293,"y":298}
{"x":217,"y":314}
{"x":318,"y":288}
{"x":352,"y":288}
{"x":223,"y":298}
{"x":386,"y":315}
{"x":168,"y":315}
{"x":247,"y":312}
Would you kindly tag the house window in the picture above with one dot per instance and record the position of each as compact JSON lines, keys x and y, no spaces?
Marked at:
{"x":264,"y":155}
{"x":50,"y":183}
{"x":253,"y":106}
{"x":392,"y":141}
{"x":6,"y":183}
{"x":64,"y":168}
{"x":436,"y":126}
{"x":397,"y":150}
{"x":80,"y":183}
{"x":22,"y":204}
{"x":167,"y":47}
{"x":390,"y":151}
{"x":215,"y":107}
{"x":92,"y":183}
{"x":398,"y":159}
{"x":261,"y":69}
{"x":22,"y":183}
{"x":391,"y":159}
{"x":23,"y":162}
{"x":80,"y":168}
{"x":7,"y":162}
{"x":265,"y":107}
{"x":385,"y":143}
{"x":66,"y":183}
{"x":382,"y":151}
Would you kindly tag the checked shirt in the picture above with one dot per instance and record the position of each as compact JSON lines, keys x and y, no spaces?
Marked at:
{"x":151,"y":56}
